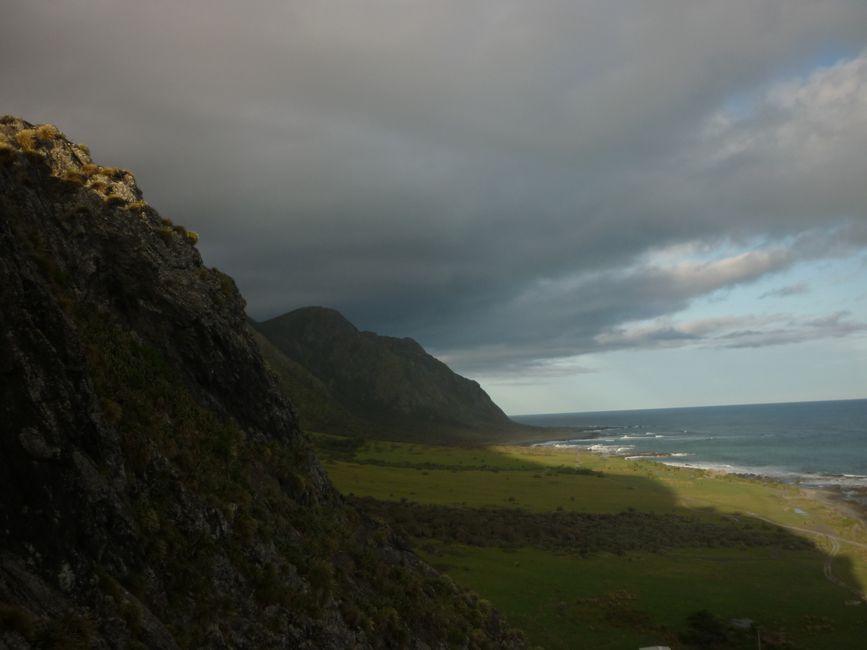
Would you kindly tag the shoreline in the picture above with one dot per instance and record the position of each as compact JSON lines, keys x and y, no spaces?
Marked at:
{"x":543,"y":437}
{"x":847,"y":506}
{"x":849,"y":501}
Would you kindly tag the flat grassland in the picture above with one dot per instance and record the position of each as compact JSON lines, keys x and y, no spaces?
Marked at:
{"x":518,"y":524}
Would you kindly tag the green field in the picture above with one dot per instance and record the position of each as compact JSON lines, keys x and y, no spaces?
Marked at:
{"x":642,"y":599}
{"x":801,"y":592}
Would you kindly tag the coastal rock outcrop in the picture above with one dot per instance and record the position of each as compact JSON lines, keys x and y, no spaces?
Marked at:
{"x":155,"y":488}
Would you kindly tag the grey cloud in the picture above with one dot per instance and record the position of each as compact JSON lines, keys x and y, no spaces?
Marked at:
{"x":520,"y":372}
{"x":560,"y":319}
{"x":488,"y":178}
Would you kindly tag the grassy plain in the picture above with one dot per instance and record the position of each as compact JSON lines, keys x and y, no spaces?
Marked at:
{"x":799,"y":597}
{"x":644,"y":599}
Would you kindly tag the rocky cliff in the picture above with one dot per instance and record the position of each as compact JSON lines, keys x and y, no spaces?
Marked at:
{"x":155,"y":489}
{"x":391,"y":384}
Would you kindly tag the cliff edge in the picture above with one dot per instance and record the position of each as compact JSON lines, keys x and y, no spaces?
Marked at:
{"x":155,"y":488}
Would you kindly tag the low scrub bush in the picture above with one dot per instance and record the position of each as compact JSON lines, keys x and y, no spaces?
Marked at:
{"x":47,"y":133}
{"x":575,"y":531}
{"x":27,"y":139}
{"x":74,"y":176}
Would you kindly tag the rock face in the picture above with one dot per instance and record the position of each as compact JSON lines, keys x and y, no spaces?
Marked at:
{"x":155,"y":488}
{"x":391,"y":384}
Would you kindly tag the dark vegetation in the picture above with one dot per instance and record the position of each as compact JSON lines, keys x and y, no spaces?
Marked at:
{"x":323,"y":552}
{"x":577,"y":532}
{"x":317,"y":409}
{"x":705,"y":630}
{"x":345,"y":448}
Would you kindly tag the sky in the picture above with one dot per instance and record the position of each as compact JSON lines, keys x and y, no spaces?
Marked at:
{"x":581,"y":205}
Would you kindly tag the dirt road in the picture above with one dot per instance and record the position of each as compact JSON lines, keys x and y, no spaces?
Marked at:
{"x":834,"y":543}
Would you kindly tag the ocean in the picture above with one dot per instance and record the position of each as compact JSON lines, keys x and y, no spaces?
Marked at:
{"x":816,"y":444}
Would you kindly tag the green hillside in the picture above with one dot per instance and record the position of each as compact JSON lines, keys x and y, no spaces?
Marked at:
{"x":391,"y":387}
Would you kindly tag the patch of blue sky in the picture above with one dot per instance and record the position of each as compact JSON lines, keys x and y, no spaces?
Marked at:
{"x":813,"y":369}
{"x":744,"y":103}
{"x":630,"y":379}
{"x":828,"y":55}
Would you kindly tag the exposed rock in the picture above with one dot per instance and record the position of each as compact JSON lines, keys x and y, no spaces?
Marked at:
{"x":155,"y":488}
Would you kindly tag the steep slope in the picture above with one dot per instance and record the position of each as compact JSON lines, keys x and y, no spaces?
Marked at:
{"x":316,"y":407}
{"x":392,"y":384}
{"x":155,"y":488}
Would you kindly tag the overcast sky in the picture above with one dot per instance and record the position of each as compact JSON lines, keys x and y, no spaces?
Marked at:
{"x":582,"y":205}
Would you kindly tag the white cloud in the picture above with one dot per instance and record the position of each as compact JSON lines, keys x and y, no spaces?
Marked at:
{"x":749,"y":331}
{"x":799,"y":150}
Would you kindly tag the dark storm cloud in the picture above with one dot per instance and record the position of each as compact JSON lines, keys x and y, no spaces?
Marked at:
{"x":492,"y":178}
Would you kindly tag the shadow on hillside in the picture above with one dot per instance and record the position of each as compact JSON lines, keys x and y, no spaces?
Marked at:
{"x":453,"y":495}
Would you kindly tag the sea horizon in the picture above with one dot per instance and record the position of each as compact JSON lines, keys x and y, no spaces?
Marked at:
{"x":520,"y":416}
{"x":820,"y":443}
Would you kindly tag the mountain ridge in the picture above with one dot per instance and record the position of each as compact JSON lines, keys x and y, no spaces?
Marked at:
{"x":392,"y":385}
